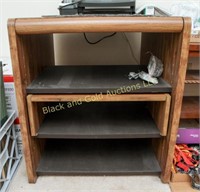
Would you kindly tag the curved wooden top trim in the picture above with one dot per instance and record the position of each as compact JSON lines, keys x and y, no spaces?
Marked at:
{"x":98,"y":24}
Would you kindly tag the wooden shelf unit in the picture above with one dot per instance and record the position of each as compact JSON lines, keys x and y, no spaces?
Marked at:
{"x":32,"y":50}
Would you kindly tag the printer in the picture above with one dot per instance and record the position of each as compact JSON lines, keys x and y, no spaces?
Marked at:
{"x":96,"y":7}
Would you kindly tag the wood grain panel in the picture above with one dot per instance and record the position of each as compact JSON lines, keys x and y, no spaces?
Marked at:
{"x":35,"y":115}
{"x":76,"y":97}
{"x":29,"y":55}
{"x":36,"y":52}
{"x":181,"y":57}
{"x":160,"y":113}
{"x":18,"y":72}
{"x":172,"y":49}
{"x":98,"y":24}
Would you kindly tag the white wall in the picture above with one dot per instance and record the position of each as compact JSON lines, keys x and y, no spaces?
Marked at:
{"x":72,"y":48}
{"x":21,"y":8}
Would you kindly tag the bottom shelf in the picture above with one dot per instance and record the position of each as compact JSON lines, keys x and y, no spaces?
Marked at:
{"x":98,"y":157}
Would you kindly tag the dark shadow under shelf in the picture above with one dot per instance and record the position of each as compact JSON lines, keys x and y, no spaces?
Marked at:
{"x":190,"y":108}
{"x":98,"y":157}
{"x":100,"y":120}
{"x":93,"y":79}
{"x":192,"y":76}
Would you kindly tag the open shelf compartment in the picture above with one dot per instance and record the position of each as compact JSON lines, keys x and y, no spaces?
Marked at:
{"x":98,"y":157}
{"x":93,"y":79}
{"x":127,"y":116}
{"x":192,"y":76}
{"x":190,"y":108}
{"x":100,"y":120}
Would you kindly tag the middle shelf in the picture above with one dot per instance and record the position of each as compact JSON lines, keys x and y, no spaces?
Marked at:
{"x":100,"y":120}
{"x":119,"y":116}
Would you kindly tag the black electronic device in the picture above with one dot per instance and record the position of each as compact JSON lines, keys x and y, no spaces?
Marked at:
{"x":76,"y":7}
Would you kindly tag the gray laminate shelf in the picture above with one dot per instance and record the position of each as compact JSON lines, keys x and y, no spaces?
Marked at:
{"x":100,"y":120}
{"x":93,"y":79}
{"x":98,"y":157}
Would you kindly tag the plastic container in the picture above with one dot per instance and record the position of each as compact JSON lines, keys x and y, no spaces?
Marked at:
{"x":9,"y":154}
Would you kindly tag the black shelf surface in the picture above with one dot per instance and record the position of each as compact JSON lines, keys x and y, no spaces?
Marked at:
{"x":100,"y":120}
{"x":92,"y":79}
{"x":98,"y":157}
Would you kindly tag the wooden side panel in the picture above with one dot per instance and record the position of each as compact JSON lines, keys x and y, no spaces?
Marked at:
{"x":36,"y":52}
{"x":172,"y":49}
{"x":158,"y":147}
{"x":177,"y":96}
{"x":160,"y":114}
{"x":28,"y":142}
{"x":35,"y":115}
{"x":28,"y":53}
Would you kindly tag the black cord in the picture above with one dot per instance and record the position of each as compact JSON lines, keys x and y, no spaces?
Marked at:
{"x":92,"y":43}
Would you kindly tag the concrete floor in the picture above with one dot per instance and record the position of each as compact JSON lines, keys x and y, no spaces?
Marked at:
{"x":86,"y":184}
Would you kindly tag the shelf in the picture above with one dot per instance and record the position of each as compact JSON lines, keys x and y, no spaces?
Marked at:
{"x":190,"y":108}
{"x":194,"y":50}
{"x":192,"y":76}
{"x":188,"y":123}
{"x":98,"y":157}
{"x":191,"y":90}
{"x":93,"y":79}
{"x":100,"y":120}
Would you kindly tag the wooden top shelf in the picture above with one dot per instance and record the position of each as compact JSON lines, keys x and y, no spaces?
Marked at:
{"x":71,"y":24}
{"x":94,"y":79}
{"x":190,"y":108}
